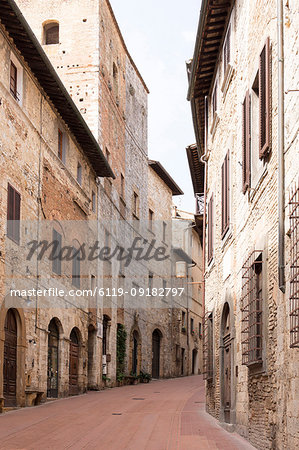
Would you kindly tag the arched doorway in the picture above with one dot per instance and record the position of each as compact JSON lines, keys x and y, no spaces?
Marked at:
{"x":53,"y":367}
{"x":227,"y":362}
{"x":10,"y":359}
{"x":156,"y":349}
{"x":194,"y":362}
{"x":74,"y":363}
{"x":135,"y":352}
{"x":91,"y":370}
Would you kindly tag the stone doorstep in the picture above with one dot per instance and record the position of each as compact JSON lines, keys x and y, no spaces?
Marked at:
{"x":230,"y":427}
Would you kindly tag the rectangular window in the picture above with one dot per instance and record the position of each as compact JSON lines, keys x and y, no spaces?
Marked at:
{"x":14,"y":81}
{"x":199,"y":329}
{"x":122,"y":186}
{"x":192,"y":325}
{"x":150,"y":219}
{"x":135,"y":205}
{"x":93,"y":202}
{"x":164,"y":231}
{"x":226,"y":50}
{"x":208,"y":347}
{"x":150,"y":281}
{"x":225,"y":175}
{"x":251,"y":308}
{"x":210,"y":229}
{"x":294,"y":267}
{"x":264,"y":93}
{"x":13,"y":214}
{"x":76,"y":268}
{"x":214,"y":99}
{"x":183,"y":321}
{"x":246,"y":144}
{"x":60,"y":145}
{"x":79,"y":173}
{"x":56,"y":262}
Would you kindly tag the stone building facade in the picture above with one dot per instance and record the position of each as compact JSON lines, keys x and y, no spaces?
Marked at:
{"x":251,"y":279}
{"x":73,"y":194}
{"x":50,"y":163}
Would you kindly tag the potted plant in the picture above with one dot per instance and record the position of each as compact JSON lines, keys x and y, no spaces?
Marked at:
{"x":106,"y":379}
{"x":145,"y":377}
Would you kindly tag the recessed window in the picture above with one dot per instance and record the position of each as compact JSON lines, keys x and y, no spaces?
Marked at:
{"x":135,"y":204}
{"x":61,"y":145}
{"x":51,"y":33}
{"x":76,"y":267}
{"x":13,"y":214}
{"x":93,"y":201}
{"x":227,"y":50}
{"x":150,"y":219}
{"x":122,"y":186}
{"x":14,"y":81}
{"x":79,"y":173}
{"x":214,"y":99}
{"x":56,"y":254}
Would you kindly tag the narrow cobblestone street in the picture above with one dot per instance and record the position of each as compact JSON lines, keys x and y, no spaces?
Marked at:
{"x":166,"y":414}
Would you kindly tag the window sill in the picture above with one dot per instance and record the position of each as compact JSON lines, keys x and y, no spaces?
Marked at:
{"x":227,"y":79}
{"x":17,"y":242}
{"x":214,"y":124}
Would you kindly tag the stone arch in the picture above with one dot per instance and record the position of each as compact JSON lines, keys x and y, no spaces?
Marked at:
{"x":135,"y":353}
{"x":54,"y":357}
{"x":50,"y":32}
{"x":21,"y":346}
{"x":227,"y":357}
{"x":156,"y":352}
{"x":75,"y":362}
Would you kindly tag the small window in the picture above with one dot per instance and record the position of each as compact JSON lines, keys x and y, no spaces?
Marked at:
{"x":135,"y":205}
{"x":93,"y":202}
{"x":199,"y":329}
{"x":164,"y":231}
{"x":214,"y":99}
{"x":122,"y":186}
{"x":56,"y":255}
{"x":79,"y":173}
{"x":225,"y":204}
{"x":51,"y":33}
{"x":76,"y":267}
{"x":61,"y":145}
{"x":150,"y":219}
{"x":183,"y":320}
{"x":14,"y":81}
{"x":150,"y":281}
{"x":227,"y":50}
{"x":13,"y":214}
{"x":210,"y":229}
{"x":192,"y":325}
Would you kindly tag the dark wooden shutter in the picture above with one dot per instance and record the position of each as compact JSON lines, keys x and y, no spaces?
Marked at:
{"x":210,"y":229}
{"x":52,"y":34}
{"x":246,"y":144}
{"x":60,"y":144}
{"x":56,"y":262}
{"x":225,"y":175}
{"x":13,"y":80}
{"x":13,"y":214}
{"x":264,"y":96}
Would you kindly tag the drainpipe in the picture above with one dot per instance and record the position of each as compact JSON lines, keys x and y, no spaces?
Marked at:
{"x":280,"y":156}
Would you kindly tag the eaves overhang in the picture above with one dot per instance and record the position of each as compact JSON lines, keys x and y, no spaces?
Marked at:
{"x":196,"y":167}
{"x":40,"y":65}
{"x":164,"y":175}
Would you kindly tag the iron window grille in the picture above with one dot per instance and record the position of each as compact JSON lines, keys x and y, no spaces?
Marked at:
{"x":208,"y":347}
{"x":294,"y":267}
{"x":251,"y":308}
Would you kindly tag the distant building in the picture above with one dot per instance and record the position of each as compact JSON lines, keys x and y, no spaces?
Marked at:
{"x":246,"y":162}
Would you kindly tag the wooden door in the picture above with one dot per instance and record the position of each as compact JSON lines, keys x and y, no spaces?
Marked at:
{"x":156,"y":355}
{"x":52,"y":382}
{"x":227,"y":382}
{"x":74,"y":364}
{"x":10,"y":360}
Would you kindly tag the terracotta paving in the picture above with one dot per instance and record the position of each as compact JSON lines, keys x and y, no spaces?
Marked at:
{"x":161,"y":415}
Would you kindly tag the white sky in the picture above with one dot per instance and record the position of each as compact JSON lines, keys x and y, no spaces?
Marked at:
{"x":160,"y":36}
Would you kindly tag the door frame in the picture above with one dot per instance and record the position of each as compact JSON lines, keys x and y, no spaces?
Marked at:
{"x":224,"y":344}
{"x":21,"y":349}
